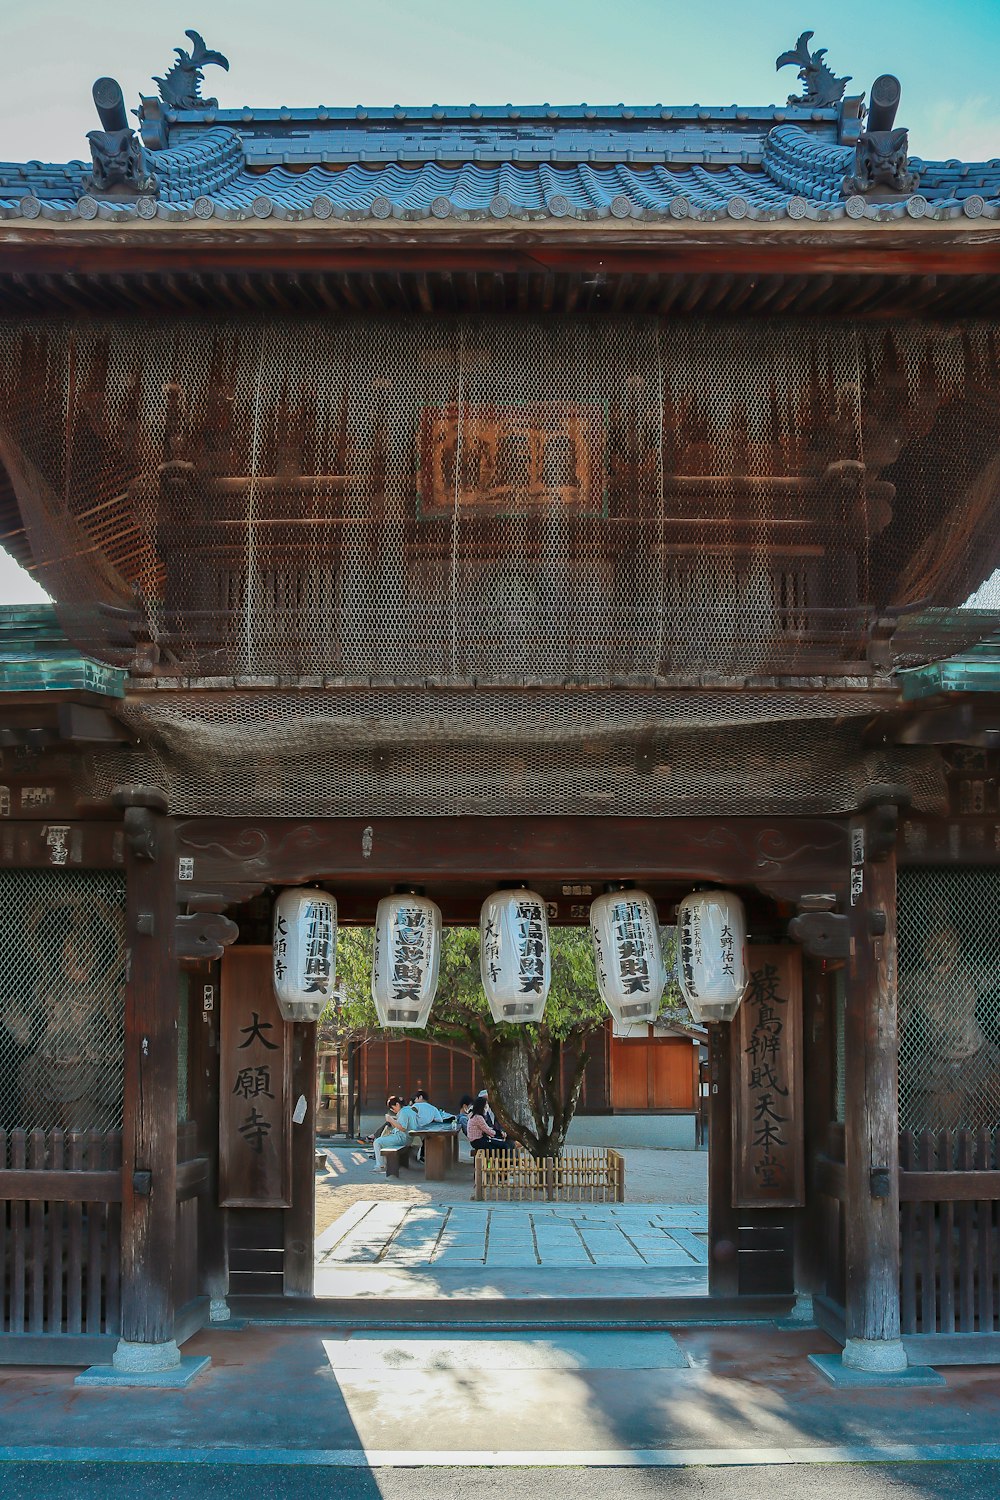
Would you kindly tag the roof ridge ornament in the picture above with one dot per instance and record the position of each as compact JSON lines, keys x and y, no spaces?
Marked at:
{"x":823,"y":89}
{"x":180,"y":88}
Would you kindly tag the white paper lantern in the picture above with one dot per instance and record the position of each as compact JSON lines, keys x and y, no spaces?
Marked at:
{"x":630,"y":975}
{"x":406,"y":961}
{"x":711,"y":954}
{"x":514,"y":955}
{"x":304,"y":949}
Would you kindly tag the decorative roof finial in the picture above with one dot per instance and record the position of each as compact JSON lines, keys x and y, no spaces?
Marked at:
{"x":822,"y":89}
{"x":181,"y":88}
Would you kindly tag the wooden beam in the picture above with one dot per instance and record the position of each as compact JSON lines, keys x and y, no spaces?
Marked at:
{"x":60,"y":1186}
{"x":780,"y":856}
{"x":945,"y":1187}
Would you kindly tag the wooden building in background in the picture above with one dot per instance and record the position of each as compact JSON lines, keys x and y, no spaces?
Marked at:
{"x":458,"y":496}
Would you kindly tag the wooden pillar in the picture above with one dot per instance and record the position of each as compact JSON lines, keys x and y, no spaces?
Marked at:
{"x":872,"y":1110}
{"x":149,"y":1137}
{"x":818,"y":1058}
{"x":723,"y":1231}
{"x":213,"y":1247}
{"x":300,"y":1219}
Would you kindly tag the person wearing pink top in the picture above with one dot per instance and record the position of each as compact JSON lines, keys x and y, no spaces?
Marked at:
{"x":482,"y":1135}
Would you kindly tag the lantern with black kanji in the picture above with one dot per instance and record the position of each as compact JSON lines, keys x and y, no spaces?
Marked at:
{"x":514,"y":955}
{"x":304,"y":953}
{"x":711,"y":954}
{"x":406,"y":959}
{"x":630,"y":975}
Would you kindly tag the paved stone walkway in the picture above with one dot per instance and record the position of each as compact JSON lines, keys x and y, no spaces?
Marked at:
{"x":504,"y":1236}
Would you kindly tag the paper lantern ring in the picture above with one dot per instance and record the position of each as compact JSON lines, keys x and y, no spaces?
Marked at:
{"x":406,"y":960}
{"x":625,"y":928}
{"x":304,"y":953}
{"x":514,"y":958}
{"x":711,"y":954}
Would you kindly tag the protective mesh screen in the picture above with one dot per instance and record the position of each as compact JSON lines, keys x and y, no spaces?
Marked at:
{"x":474,"y":500}
{"x":949,"y":999}
{"x":368,"y":753}
{"x":62,"y":985}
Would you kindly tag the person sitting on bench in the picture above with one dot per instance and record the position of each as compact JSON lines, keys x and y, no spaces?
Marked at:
{"x":482,"y":1135}
{"x":398,"y":1121}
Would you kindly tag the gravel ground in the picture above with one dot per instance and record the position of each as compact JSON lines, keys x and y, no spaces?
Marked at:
{"x":650,"y":1177}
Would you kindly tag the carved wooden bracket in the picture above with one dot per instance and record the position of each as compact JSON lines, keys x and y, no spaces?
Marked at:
{"x":204,"y":935}
{"x":140,"y":833}
{"x":823,"y":934}
{"x":881,"y":806}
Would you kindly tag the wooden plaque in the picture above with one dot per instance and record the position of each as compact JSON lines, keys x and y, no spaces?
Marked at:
{"x":768,"y":1139}
{"x":255,"y":1086}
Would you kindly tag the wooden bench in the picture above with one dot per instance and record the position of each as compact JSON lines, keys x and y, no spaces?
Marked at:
{"x":395,"y":1157}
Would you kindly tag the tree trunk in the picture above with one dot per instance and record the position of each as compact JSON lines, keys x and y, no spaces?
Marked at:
{"x":526,"y":1083}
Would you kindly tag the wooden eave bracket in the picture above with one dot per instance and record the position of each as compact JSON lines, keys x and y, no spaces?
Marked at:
{"x":823,"y":934}
{"x":203,"y":936}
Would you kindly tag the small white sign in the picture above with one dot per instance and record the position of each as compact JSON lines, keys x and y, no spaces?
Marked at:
{"x":857,"y":846}
{"x":208,"y":997}
{"x":299,"y":1112}
{"x":185,"y":867}
{"x":857,"y":884}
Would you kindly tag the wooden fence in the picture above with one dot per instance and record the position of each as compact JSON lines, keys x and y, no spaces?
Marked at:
{"x":588,"y":1174}
{"x":950,"y":1257}
{"x":60,"y":1197}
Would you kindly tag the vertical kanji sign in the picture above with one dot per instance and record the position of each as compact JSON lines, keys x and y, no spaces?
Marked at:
{"x":768,"y":1142}
{"x":254,"y":1086}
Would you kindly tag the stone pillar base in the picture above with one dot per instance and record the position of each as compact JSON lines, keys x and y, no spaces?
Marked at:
{"x":875,"y":1356}
{"x":145,"y":1359}
{"x":802,"y":1312}
{"x":218,"y":1310}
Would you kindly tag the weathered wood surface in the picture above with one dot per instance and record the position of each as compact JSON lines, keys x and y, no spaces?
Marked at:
{"x":949,"y":1192}
{"x":300,"y":1220}
{"x":781,"y":856}
{"x":723,"y":1219}
{"x":702,"y":249}
{"x":149,"y":1177}
{"x":768,"y":1118}
{"x":871,"y":1126}
{"x":203,"y":1094}
{"x":52,"y":843}
{"x":255,"y":1086}
{"x":59,"y":1258}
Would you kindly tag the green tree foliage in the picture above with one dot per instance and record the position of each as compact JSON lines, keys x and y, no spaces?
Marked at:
{"x":534,"y":1073}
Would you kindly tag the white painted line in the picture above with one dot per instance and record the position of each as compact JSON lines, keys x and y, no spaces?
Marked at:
{"x":443,"y":1458}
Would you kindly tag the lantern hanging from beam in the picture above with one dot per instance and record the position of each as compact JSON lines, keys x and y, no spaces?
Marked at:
{"x":711,"y":954}
{"x":304,"y":953}
{"x":630,"y":975}
{"x":406,"y":960}
{"x":514,"y":955}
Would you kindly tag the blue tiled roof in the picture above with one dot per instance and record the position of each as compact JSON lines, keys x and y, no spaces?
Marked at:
{"x":640,"y":164}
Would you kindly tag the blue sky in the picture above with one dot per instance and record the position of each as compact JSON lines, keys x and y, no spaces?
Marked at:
{"x":457,"y":51}
{"x":530,"y":51}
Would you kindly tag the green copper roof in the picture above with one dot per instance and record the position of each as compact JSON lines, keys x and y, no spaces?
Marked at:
{"x":975,"y":670}
{"x":36,"y":657}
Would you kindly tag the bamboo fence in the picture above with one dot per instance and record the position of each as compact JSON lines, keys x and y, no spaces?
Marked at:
{"x":583,"y":1174}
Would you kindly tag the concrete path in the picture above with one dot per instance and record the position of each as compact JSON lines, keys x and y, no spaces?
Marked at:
{"x":712,"y":1396}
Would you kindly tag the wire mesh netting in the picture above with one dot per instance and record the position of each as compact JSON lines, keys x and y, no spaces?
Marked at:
{"x":949,"y":999}
{"x":403,"y":753}
{"x":62,"y":985}
{"x":488,"y":501}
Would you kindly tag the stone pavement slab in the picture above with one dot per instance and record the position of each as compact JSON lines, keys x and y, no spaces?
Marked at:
{"x":562,"y":1237}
